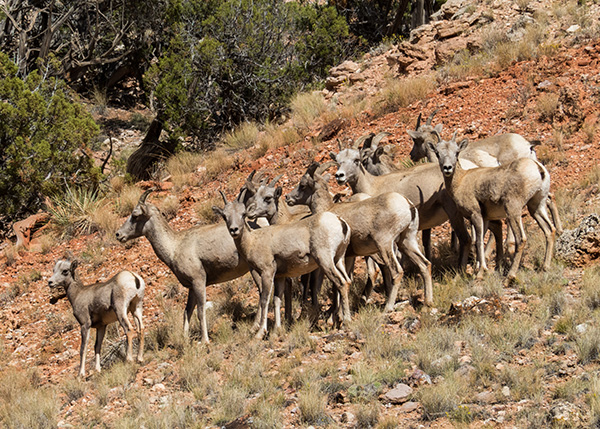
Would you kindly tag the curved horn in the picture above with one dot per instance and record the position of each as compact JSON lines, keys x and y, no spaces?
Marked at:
{"x":418,"y":122}
{"x":275,"y":180}
{"x":366,"y":139}
{"x":312,"y":168}
{"x":431,"y":116}
{"x":378,"y":138}
{"x":224,"y":197}
{"x":454,"y":135}
{"x":439,"y":137}
{"x":323,"y":167}
{"x":242,"y":196}
{"x":143,"y":197}
{"x":339,"y":144}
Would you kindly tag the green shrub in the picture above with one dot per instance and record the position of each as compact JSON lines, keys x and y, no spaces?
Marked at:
{"x":45,"y":138}
{"x":232,"y":61}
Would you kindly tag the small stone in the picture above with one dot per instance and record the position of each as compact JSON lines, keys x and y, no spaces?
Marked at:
{"x":408,"y":407}
{"x":347,"y":417}
{"x":398,"y":394}
{"x":581,"y":328}
{"x":573,"y":28}
{"x":159,"y":386}
{"x":506,"y":391}
{"x":485,"y":397}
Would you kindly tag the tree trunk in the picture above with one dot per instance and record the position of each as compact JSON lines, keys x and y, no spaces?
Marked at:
{"x":397,"y":23}
{"x":418,"y":13}
{"x":151,"y":150}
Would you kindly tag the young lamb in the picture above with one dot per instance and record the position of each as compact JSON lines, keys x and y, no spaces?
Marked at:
{"x":99,"y":305}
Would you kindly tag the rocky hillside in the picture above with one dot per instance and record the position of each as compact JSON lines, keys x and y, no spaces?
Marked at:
{"x":523,"y":356}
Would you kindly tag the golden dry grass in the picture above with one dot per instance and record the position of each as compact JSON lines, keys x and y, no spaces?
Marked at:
{"x":399,"y":93}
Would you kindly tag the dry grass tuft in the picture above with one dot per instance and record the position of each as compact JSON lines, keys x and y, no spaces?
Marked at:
{"x":170,"y":206}
{"x":205,"y":212}
{"x":26,"y":404}
{"x":442,"y":398}
{"x":127,"y":200}
{"x":402,"y":92}
{"x":181,"y":167}
{"x":243,"y":137}
{"x":306,"y":108}
{"x":216,"y":163}
{"x":276,"y":136}
{"x":106,"y":221}
{"x":11,"y":253}
{"x":547,"y":106}
{"x":312,"y":404}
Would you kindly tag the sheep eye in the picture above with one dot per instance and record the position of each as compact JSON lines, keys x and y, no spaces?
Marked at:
{"x":65,"y":272}
{"x":267,"y":200}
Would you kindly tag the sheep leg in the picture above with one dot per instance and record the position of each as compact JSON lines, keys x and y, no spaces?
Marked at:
{"x":371,"y":279}
{"x":100,"y":331}
{"x":189,"y":310}
{"x":199,"y":289}
{"x":516,"y":224}
{"x":137,"y":315}
{"x":287,"y":296}
{"x":554,"y":212}
{"x":258,"y":317}
{"x":279,"y":290}
{"x":458,"y":226}
{"x":426,"y":238}
{"x":266,"y":289}
{"x":388,"y":254}
{"x":85,"y":336}
{"x":540,"y":215}
{"x":478,"y":224}
{"x":129,"y":331}
{"x":410,"y":247}
{"x":336,"y":273}
{"x":316,"y":280}
{"x":496,"y":228}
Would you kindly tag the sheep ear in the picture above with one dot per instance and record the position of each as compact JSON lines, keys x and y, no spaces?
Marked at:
{"x":463,"y":144}
{"x":218,"y":211}
{"x":278,"y":192}
{"x":438,"y":128}
{"x":432,"y":148}
{"x":74,"y":265}
{"x":413,"y":134}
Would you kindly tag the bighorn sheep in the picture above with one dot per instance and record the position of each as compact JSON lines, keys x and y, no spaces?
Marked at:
{"x":198,"y":256}
{"x":268,"y":202}
{"x":493,"y":193}
{"x":423,"y":185}
{"x":377,"y":225}
{"x":99,"y":305}
{"x":376,"y":159}
{"x":289,"y":250}
{"x":490,"y":152}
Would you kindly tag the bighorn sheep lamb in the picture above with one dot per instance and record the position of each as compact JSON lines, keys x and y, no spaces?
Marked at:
{"x":493,"y":193}
{"x":289,"y":250}
{"x":423,"y":185}
{"x":99,"y":305}
{"x":377,"y":225}
{"x":198,"y":256}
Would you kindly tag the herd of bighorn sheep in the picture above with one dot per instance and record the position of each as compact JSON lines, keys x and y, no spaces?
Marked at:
{"x":307,"y":232}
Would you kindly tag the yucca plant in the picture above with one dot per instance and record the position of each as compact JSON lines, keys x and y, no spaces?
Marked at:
{"x":73,"y":212}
